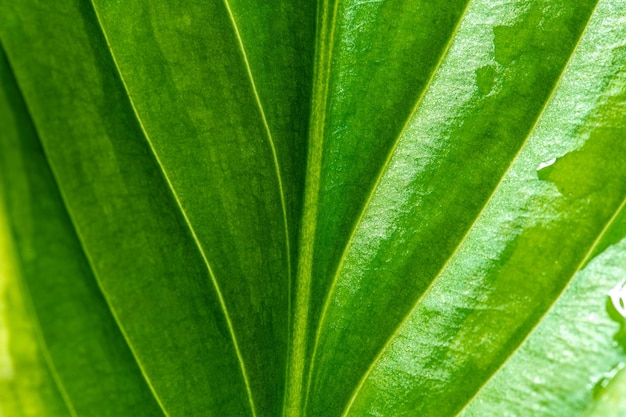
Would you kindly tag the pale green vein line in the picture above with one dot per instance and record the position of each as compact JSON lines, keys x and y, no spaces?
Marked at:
{"x":189,"y":226}
{"x":31,"y":311}
{"x":112,"y":310}
{"x":276,"y":162}
{"x":471,"y":227}
{"x":93,"y":270}
{"x":420,"y":99}
{"x":106,"y":299}
{"x":270,"y":140}
{"x":580,"y":266}
{"x":322,"y":72}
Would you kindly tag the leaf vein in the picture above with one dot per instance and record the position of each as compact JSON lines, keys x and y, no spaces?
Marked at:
{"x":190,"y":228}
{"x":589,"y":252}
{"x":324,"y":49}
{"x":92,"y":268}
{"x":272,"y":144}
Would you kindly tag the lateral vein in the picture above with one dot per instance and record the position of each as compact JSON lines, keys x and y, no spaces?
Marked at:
{"x":272,"y":144}
{"x":189,"y":226}
{"x":591,"y":249}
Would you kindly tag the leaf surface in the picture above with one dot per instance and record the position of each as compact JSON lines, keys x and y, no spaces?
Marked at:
{"x":27,"y":387}
{"x":386,"y":208}
{"x":114,"y":182}
{"x":67,"y":305}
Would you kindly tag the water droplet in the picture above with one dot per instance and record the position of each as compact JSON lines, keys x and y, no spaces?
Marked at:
{"x":546,"y":164}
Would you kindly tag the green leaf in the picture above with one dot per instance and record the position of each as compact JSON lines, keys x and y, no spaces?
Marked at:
{"x":355,"y":208}
{"x":27,"y":387}
{"x":68,"y":305}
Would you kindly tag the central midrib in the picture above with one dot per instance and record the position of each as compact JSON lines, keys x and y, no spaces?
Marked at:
{"x":294,"y":387}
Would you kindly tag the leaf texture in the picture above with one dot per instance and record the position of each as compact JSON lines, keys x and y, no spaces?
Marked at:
{"x":343,"y":208}
{"x":67,"y":305}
